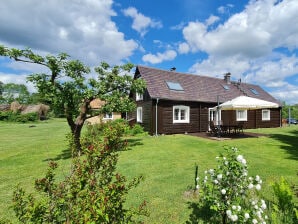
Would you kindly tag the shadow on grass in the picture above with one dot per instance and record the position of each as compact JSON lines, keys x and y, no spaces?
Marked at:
{"x":65,"y":154}
{"x":134,"y":142}
{"x":200,"y":214}
{"x":290,"y":142}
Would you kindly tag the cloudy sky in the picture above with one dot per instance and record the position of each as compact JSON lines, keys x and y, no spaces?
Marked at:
{"x":256,"y":41}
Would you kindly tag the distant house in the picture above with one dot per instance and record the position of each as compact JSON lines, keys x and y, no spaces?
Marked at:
{"x":176,"y":102}
{"x":96,"y":105}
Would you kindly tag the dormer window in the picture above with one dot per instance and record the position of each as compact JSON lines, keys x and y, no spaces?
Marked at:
{"x":139,"y":96}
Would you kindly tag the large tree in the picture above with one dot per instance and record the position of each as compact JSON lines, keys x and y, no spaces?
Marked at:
{"x":70,"y":87}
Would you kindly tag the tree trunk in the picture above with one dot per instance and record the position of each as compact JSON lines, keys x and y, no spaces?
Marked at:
{"x":77,"y":126}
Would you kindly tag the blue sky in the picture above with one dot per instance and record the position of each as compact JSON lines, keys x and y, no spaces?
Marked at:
{"x":256,"y":41}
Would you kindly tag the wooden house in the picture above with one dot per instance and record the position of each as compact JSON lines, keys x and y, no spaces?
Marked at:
{"x":96,"y":105}
{"x":176,"y":102}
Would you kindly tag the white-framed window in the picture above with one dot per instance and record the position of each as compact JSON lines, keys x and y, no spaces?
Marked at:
{"x":241,"y":115}
{"x":266,"y":115}
{"x":180,"y":114}
{"x":140,"y":114}
{"x":108,"y":116}
{"x":139,"y":96}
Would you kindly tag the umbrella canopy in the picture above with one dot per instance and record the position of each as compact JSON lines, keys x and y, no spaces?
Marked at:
{"x":246,"y":103}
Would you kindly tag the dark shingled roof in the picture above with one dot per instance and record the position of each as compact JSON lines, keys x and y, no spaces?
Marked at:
{"x":197,"y":88}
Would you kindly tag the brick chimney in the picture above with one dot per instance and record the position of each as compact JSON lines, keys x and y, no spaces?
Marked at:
{"x":227,"y":78}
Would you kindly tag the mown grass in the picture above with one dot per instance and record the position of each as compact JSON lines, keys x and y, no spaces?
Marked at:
{"x":166,"y":162}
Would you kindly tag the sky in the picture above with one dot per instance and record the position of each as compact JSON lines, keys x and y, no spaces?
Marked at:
{"x":256,"y":41}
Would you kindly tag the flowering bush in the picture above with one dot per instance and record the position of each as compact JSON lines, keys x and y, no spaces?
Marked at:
{"x":228,"y":191}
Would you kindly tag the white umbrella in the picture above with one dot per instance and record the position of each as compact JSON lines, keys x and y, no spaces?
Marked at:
{"x":246,"y":103}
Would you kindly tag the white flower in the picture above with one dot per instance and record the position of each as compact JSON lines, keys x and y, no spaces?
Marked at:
{"x":219,"y":176}
{"x":197,"y":179}
{"x":263,"y":206}
{"x":246,"y":216}
{"x":254,"y":221}
{"x":234,"y":218}
{"x":211,"y":171}
{"x":223,"y":191}
{"x":258,"y":178}
{"x":216,"y":181}
{"x":238,"y":208}
{"x":243,"y":161}
{"x":234,"y":207}
{"x":228,"y":212}
{"x":239,"y":158}
{"x":197,"y":187}
{"x":258,"y":187}
{"x":250,"y":186}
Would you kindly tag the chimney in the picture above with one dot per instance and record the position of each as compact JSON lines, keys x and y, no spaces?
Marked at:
{"x":227,"y":78}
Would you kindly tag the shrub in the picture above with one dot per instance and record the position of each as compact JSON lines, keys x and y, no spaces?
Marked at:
{"x":229,"y":194}
{"x":17,"y":117}
{"x":283,"y":209}
{"x":92,"y":193}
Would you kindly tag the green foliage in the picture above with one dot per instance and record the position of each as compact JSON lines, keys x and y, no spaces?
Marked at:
{"x":93,"y":192}
{"x":283,"y":210}
{"x":229,"y":193}
{"x":18,"y":117}
{"x":14,"y":92}
{"x":293,"y":110}
{"x":68,"y":89}
{"x":137,"y":129}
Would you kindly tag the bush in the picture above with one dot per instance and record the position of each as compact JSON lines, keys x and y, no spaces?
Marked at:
{"x":283,"y":209}
{"x":93,"y":192}
{"x":137,"y":129}
{"x":228,"y":194}
{"x":18,"y":117}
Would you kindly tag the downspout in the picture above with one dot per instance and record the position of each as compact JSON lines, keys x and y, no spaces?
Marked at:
{"x":156,"y":123}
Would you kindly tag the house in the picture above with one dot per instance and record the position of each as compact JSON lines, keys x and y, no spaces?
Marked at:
{"x":176,"y":102}
{"x":95,"y":106}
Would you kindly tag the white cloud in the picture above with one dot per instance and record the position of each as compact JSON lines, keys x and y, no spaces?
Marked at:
{"x":260,"y":28}
{"x":160,"y":57}
{"x":212,"y":19}
{"x":141,"y":23}
{"x":83,"y":29}
{"x":17,"y":79}
{"x":183,"y":48}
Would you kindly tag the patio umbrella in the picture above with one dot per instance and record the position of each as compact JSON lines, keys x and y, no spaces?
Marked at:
{"x":246,"y":103}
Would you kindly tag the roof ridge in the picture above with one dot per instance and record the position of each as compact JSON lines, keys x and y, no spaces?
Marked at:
{"x":183,"y":73}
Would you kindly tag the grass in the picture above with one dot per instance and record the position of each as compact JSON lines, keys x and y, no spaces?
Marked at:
{"x":166,"y":162}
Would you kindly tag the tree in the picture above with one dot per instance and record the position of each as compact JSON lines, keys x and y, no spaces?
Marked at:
{"x":70,"y":88}
{"x":15,"y":92}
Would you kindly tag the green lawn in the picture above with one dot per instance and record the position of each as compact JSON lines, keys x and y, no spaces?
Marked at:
{"x":167,"y":163}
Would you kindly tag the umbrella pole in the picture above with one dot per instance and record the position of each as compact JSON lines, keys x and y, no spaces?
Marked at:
{"x":218,"y":122}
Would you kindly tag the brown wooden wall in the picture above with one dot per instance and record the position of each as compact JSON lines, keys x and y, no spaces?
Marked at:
{"x":198,"y":117}
{"x":254,"y":118}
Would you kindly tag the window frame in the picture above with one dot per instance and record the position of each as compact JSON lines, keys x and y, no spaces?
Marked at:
{"x":105,"y":117}
{"x":238,"y":118}
{"x":266,"y":118}
{"x":139,"y":96}
{"x":180,"y":108}
{"x":139,"y":114}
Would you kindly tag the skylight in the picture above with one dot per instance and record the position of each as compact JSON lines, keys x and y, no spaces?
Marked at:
{"x":254,"y":91}
{"x":226,"y":87}
{"x":174,"y":86}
